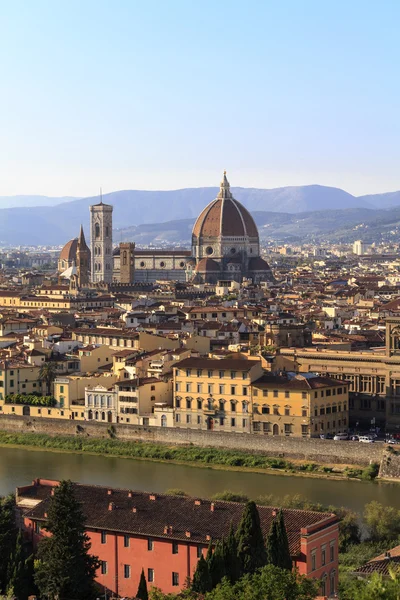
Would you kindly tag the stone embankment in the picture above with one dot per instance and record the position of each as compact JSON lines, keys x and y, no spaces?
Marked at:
{"x":315,"y":450}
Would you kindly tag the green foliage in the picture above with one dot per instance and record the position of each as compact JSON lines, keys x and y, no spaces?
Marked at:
{"x":8,"y":536}
{"x":142,"y":593}
{"x":250,"y":541}
{"x":202,"y":582}
{"x":272,"y":544}
{"x":47,"y":374}
{"x":228,"y":496}
{"x":370,"y":472}
{"x":284,"y":559}
{"x":269,"y":583}
{"x":349,"y":528}
{"x":176,"y":492}
{"x":64,"y":567}
{"x":383,"y":522}
{"x":374,"y":588}
{"x":20,"y":572}
{"x":30,"y":400}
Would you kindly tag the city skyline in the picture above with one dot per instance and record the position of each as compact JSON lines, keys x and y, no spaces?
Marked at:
{"x":161,"y":97}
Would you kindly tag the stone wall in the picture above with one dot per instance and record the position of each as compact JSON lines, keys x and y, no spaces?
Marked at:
{"x":321,"y":451}
{"x":390,"y":465}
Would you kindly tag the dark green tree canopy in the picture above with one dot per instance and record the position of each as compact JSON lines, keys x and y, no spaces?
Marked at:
{"x":250,"y":541}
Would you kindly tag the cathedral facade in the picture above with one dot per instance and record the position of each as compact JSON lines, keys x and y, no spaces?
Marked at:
{"x":225,"y":247}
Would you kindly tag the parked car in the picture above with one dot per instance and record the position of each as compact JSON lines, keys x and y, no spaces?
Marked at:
{"x":392,"y":441}
{"x":340,"y":437}
{"x":354,"y":438}
{"x":366,"y":439}
{"x":326,"y":436}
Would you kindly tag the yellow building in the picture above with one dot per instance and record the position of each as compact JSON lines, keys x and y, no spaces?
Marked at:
{"x":214,"y":394}
{"x":299,"y":405}
{"x":69,"y":393}
{"x":17,"y":377}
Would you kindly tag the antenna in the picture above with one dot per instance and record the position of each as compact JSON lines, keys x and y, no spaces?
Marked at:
{"x":101,"y":196}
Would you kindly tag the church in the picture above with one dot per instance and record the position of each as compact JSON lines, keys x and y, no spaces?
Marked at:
{"x":225,"y":247}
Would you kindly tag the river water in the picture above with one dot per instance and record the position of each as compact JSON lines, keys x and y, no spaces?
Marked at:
{"x":18,"y":466}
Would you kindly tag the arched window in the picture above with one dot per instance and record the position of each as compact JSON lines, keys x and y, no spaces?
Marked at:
{"x":103,"y":416}
{"x":163,"y":421}
{"x":245,"y":408}
{"x":96,"y":415}
{"x":97,"y":231}
{"x":90,"y":415}
{"x":210,"y":404}
{"x":332,"y":579}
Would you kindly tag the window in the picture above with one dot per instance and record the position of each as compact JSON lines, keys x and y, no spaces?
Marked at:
{"x":150,"y":544}
{"x":199,"y":551}
{"x":188,"y":418}
{"x":127,"y":571}
{"x":210,"y":388}
{"x":233,"y":422}
{"x":199,"y":372}
{"x":209,"y":373}
{"x":304,"y":429}
{"x":103,"y":537}
{"x":255,"y":392}
{"x":188,"y":404}
{"x":288,"y":428}
{"x":287,"y":394}
{"x":265,"y":410}
{"x":287,"y":411}
{"x":233,"y":406}
{"x":244,"y":422}
{"x":175,"y":579}
{"x":175,"y":547}
{"x":221,"y":374}
{"x":199,"y":388}
{"x":177,"y":402}
{"x":233,"y":374}
{"x":221,"y":405}
{"x":265,"y":393}
{"x":303,"y":412}
{"x":276,"y":410}
{"x":313,"y":561}
{"x":233,"y":390}
{"x":177,"y":386}
{"x":104,"y":569}
{"x":221,"y":389}
{"x":332,"y":552}
{"x":150,"y":575}
{"x":304,"y":395}
{"x":61,"y":389}
{"x":126,"y":541}
{"x":276,"y":393}
{"x":188,"y":387}
{"x":244,"y":375}
{"x":323,"y":557}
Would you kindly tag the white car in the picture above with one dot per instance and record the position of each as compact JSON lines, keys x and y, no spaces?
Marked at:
{"x":340,"y":436}
{"x":366,"y":439}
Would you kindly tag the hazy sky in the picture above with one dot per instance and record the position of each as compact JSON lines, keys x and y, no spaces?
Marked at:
{"x":129,"y":94}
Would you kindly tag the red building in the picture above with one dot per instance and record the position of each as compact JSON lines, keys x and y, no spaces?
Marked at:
{"x":165,"y":535}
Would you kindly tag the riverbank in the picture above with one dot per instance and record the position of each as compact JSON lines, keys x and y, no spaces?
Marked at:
{"x":184,"y":455}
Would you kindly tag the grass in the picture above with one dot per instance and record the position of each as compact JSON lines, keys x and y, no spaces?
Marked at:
{"x":213,"y":457}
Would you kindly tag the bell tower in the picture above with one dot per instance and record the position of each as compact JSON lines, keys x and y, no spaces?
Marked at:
{"x":101,"y":242}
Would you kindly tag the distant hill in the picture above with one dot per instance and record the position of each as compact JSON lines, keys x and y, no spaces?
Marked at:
{"x":14,"y":201}
{"x":58,"y":222}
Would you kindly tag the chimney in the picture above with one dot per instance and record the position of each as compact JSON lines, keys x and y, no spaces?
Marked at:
{"x":134,"y":509}
{"x":52,"y":492}
{"x":166,"y":529}
{"x":212,"y":506}
{"x":130,"y":494}
{"x":188,"y":534}
{"x":197,"y":502}
{"x":109,"y":492}
{"x":208,"y":537}
{"x":111,"y":506}
{"x":274,"y":513}
{"x":45,"y":515}
{"x":152,"y":497}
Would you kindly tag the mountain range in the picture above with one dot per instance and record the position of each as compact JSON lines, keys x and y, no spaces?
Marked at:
{"x":156,"y":216}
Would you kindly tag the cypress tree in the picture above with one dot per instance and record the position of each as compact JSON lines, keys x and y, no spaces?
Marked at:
{"x":273,"y":545}
{"x":285,"y":561}
{"x":201,"y":579}
{"x":20,"y":572}
{"x":250,"y":541}
{"x":216,"y":564}
{"x":232,"y":562}
{"x":8,"y":534}
{"x":64,"y":568}
{"x":142,"y":592}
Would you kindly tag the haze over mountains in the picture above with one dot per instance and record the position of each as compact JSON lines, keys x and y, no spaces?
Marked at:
{"x":45,"y":220}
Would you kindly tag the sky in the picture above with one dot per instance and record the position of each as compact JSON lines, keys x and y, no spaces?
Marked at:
{"x":166,"y":94}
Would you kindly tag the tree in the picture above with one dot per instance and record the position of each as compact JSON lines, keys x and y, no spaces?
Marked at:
{"x":284,"y":558}
{"x":272,"y":544}
{"x":250,"y":541}
{"x":270,"y":583}
{"x":142,"y":592}
{"x":20,"y":572}
{"x":64,"y":568}
{"x":8,"y":534}
{"x":216,"y":564}
{"x":202,"y":579}
{"x":383,"y":522}
{"x":232,"y":562}
{"x":349,"y":529}
{"x":47,"y":374}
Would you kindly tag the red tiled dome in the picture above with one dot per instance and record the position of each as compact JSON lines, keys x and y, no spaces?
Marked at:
{"x":68,"y":253}
{"x":225,"y":216}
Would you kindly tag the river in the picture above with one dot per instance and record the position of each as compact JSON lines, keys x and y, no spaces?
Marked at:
{"x":18,"y":466}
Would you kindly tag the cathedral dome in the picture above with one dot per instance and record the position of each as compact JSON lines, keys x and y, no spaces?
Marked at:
{"x":68,"y":253}
{"x":225,"y":217}
{"x":206,"y":265}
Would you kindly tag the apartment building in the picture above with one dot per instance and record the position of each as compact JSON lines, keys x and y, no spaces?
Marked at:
{"x":214,"y":394}
{"x":302,"y":405}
